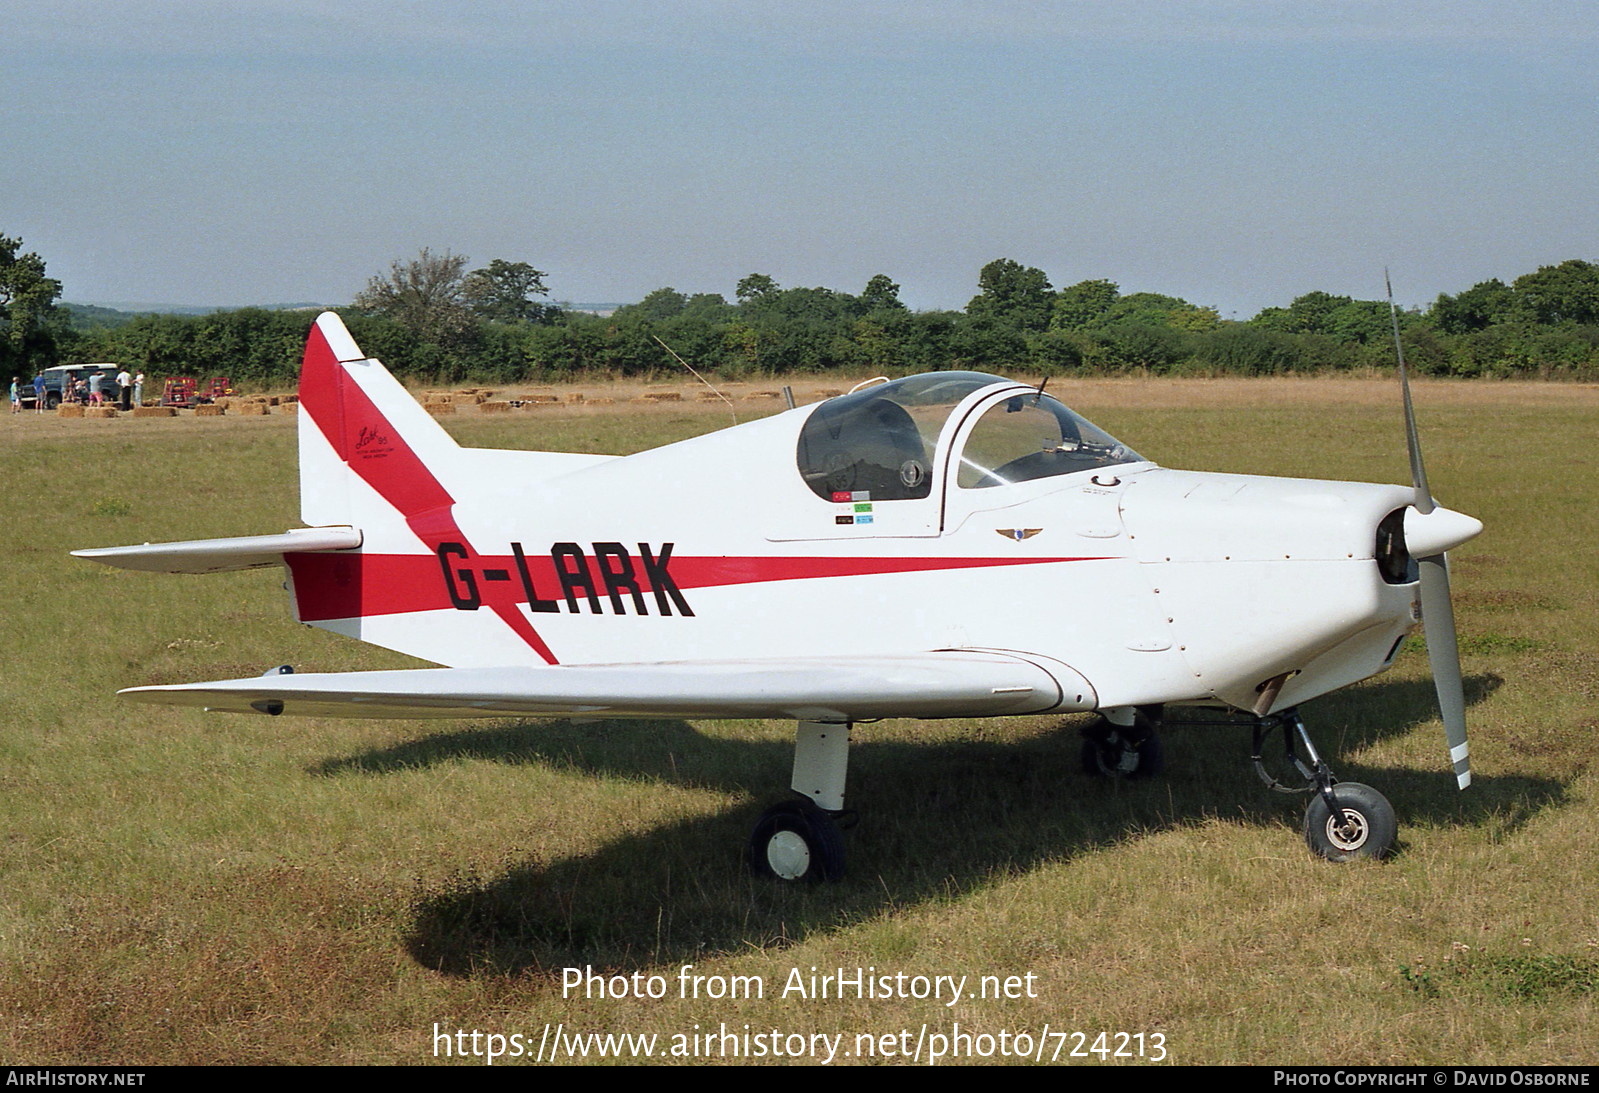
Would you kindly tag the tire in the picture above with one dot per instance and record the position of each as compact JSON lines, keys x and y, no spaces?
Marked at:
{"x":1113,"y":752}
{"x":796,"y":841}
{"x":1367,"y":833}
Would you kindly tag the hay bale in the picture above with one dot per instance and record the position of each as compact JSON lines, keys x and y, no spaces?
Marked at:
{"x":577,"y":396}
{"x":664,"y":396}
{"x":602,"y":400}
{"x":289,"y":408}
{"x":213,"y":410}
{"x":493,"y":407}
{"x":439,"y":409}
{"x":829,"y":392}
{"x":69,"y":409}
{"x":290,"y":400}
{"x":155,"y":411}
{"x":100,"y":411}
{"x":763,"y":394}
{"x":253,"y":409}
{"x":272,"y":400}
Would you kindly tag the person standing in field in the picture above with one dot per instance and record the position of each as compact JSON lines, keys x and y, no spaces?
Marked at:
{"x":138,"y":389}
{"x":124,"y":391}
{"x":38,"y":393}
{"x":95,"y":398}
{"x":16,"y":395}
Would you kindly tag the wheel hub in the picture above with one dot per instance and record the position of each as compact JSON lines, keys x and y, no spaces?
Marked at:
{"x":1351,"y":833}
{"x":788,"y":855}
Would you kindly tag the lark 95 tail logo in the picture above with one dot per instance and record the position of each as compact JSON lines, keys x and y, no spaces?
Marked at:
{"x":606,"y":574}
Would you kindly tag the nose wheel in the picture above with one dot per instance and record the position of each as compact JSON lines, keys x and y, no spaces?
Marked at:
{"x":1362,"y":825}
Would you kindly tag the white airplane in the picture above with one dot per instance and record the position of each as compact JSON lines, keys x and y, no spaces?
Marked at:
{"x":947,"y":545}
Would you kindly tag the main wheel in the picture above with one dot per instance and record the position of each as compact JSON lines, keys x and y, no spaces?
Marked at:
{"x":1367,"y":828}
{"x":1110,"y":751}
{"x":796,"y":841}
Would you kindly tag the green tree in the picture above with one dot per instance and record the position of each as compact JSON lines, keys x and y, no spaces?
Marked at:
{"x":425,"y":295}
{"x":881,"y":294}
{"x":754,"y":287}
{"x":1012,"y":295}
{"x":1158,"y":309}
{"x":660,"y":305}
{"x":503,"y":292}
{"x":1568,"y":292}
{"x":1082,"y":304}
{"x":1308,"y":314}
{"x":1480,"y":306}
{"x":30,"y":325}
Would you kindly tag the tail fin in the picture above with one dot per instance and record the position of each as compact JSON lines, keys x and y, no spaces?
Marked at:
{"x":368,"y":452}
{"x":373,"y":459}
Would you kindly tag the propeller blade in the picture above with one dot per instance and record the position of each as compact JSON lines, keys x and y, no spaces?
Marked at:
{"x":1437,"y":612}
{"x":1443,"y":652}
{"x":1418,"y":471}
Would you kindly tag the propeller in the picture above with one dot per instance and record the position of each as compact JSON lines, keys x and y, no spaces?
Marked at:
{"x":1429,"y":532}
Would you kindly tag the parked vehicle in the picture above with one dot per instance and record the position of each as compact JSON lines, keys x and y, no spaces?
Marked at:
{"x":55,"y":383}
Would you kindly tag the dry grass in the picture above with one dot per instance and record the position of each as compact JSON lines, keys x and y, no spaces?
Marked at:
{"x":192,"y":888}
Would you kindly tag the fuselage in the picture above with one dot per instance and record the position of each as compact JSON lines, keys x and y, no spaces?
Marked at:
{"x":903,"y":521}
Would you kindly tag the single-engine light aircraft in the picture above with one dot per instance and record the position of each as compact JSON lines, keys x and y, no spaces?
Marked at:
{"x":945,"y":545}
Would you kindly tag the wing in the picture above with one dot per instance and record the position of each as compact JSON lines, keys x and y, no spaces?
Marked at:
{"x":924,"y":685}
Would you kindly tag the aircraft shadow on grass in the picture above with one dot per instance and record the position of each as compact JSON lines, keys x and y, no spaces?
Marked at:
{"x":936,"y":819}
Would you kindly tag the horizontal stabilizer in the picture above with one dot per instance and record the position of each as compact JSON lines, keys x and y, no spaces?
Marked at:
{"x":926,"y":685}
{"x":223,"y":555}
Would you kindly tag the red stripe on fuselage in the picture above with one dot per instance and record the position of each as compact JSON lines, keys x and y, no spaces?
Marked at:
{"x":351,"y":585}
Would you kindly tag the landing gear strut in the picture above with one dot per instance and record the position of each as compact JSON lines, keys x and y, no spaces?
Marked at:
{"x":800,"y":840}
{"x":1345,"y":821}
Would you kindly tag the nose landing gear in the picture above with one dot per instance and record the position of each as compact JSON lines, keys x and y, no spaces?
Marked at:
{"x":1345,"y":821}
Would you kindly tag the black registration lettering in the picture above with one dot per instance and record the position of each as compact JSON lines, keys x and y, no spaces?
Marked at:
{"x":572,"y":566}
{"x":460,"y":583}
{"x":666,"y":590}
{"x":533,"y":601}
{"x":616,"y":568}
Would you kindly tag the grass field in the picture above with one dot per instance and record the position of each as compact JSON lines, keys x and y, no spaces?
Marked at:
{"x":190,"y":888}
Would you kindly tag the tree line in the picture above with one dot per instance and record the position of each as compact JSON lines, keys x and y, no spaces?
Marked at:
{"x":433,"y":318}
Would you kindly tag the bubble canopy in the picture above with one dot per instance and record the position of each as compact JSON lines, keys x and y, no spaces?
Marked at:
{"x":882,"y":440}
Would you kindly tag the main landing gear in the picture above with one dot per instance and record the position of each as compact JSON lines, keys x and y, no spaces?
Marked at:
{"x":1124,"y":743}
{"x":1345,"y":821}
{"x":800,"y":840}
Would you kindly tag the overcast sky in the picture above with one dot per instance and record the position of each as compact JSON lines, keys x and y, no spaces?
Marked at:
{"x":1234,"y":152}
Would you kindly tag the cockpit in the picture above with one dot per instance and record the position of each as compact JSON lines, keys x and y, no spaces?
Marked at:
{"x":882,"y":441}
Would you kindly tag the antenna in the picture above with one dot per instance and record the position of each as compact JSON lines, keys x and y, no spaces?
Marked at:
{"x":702,"y":379}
